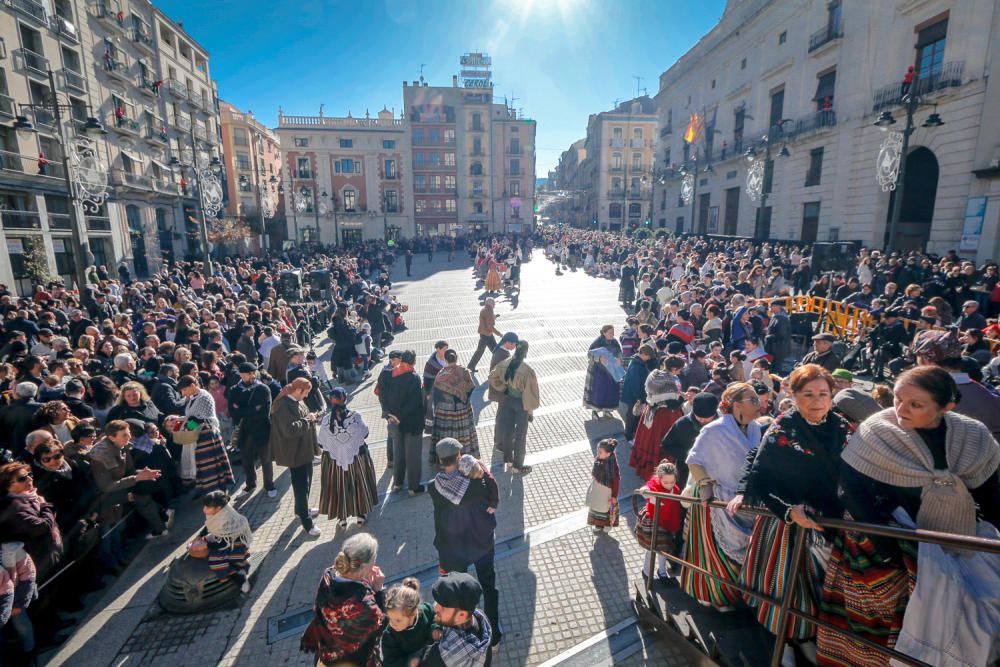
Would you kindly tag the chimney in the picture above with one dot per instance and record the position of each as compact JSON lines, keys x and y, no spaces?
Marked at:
{"x":416,"y":84}
{"x":404,"y":84}
{"x":454,"y":81}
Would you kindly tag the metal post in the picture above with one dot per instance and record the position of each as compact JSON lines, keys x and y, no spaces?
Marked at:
{"x":694,"y":190}
{"x":258,"y":185}
{"x":336,"y":229}
{"x":897,"y":196}
{"x":206,"y":256}
{"x":80,"y":247}
{"x":316,"y":210}
{"x":652,"y":546}
{"x":794,"y":567}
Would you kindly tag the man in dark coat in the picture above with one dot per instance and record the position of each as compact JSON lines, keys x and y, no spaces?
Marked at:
{"x":634,"y":387}
{"x":292,"y":443}
{"x":464,"y":527}
{"x":250,"y":408}
{"x":404,"y":408}
{"x":16,"y":418}
{"x":677,"y":442}
{"x":778,"y":341}
{"x":297,"y":369}
{"x":166,"y":396}
{"x":823,"y":353}
{"x":380,"y":388}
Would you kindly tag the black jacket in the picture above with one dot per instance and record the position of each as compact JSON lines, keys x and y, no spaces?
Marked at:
{"x":463,"y":532}
{"x":250,"y":408}
{"x":16,"y":421}
{"x":404,"y":399}
{"x":77,"y":407}
{"x":314,"y":400}
{"x":677,"y":442}
{"x":144,"y":412}
{"x":167,"y":398}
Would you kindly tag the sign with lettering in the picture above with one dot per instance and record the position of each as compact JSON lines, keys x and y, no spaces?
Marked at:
{"x":475,"y":60}
{"x":475,"y":70}
{"x":476,"y":83}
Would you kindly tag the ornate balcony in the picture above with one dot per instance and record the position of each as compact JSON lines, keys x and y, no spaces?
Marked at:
{"x":950,"y":75}
{"x":825,"y":35}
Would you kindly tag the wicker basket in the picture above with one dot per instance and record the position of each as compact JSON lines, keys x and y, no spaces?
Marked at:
{"x":186,"y":437}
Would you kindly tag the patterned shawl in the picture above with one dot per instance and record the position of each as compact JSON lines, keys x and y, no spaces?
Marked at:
{"x":455,"y":380}
{"x":461,"y":648}
{"x":342,"y":440}
{"x":452,"y":485}
{"x":606,"y":471}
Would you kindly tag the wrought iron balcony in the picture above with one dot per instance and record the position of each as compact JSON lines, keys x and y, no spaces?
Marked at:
{"x":123,"y":124}
{"x":60,"y":221}
{"x":182,"y":123}
{"x":116,"y":66}
{"x":30,"y":8}
{"x":476,"y":128}
{"x":64,"y":29}
{"x":127,"y":179}
{"x":33,"y":64}
{"x":157,"y":136}
{"x":177,"y":89}
{"x":74,"y":80}
{"x":109,"y":17}
{"x":817,"y":120}
{"x":825,"y":35}
{"x":98,"y":223}
{"x":141,"y":35}
{"x":636,"y":143}
{"x":148,"y":86}
{"x":21,"y":219}
{"x":950,"y":75}
{"x":666,"y":129}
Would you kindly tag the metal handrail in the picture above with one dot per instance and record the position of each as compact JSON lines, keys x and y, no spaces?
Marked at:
{"x":785,"y":611}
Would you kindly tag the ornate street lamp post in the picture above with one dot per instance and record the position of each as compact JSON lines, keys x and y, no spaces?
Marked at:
{"x":759,"y":186}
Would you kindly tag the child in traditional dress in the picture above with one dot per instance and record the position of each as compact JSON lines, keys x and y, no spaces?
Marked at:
{"x":227,"y":534}
{"x":410,"y":628}
{"x":602,"y":496}
{"x":671,"y":519}
{"x":471,"y":467}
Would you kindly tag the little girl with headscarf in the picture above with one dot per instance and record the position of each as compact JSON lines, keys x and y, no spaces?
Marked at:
{"x":602,"y":496}
{"x":227,"y":534}
{"x":348,"y":487}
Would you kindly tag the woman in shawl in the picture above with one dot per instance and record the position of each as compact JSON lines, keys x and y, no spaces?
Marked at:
{"x":918,"y":464}
{"x":662,"y":409}
{"x":716,"y":541}
{"x":347,"y":478}
{"x":604,"y":371}
{"x":453,"y":414}
{"x":211,"y":463}
{"x":227,"y":535}
{"x":602,"y":496}
{"x":794,"y":474}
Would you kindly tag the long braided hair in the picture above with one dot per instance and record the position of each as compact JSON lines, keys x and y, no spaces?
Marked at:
{"x":520,"y":352}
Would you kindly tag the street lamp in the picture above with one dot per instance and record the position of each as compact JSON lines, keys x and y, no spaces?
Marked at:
{"x":891,"y":164}
{"x":759,"y":185}
{"x":209,"y":200}
{"x":85,"y":177}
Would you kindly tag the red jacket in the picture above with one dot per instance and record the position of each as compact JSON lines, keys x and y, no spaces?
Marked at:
{"x":670,"y":510}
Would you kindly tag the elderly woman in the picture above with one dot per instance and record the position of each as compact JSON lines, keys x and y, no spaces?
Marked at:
{"x":211,"y":463}
{"x":661,"y":410}
{"x":919,"y":464}
{"x":347,"y":478}
{"x":25,"y":516}
{"x":453,"y":414}
{"x":604,"y":371}
{"x":134,"y":403}
{"x":794,"y":474}
{"x":350,"y":606}
{"x":717,"y":541}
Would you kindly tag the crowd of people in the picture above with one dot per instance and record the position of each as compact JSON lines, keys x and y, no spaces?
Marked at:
{"x":718,"y":405}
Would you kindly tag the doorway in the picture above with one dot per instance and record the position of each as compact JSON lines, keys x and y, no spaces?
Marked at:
{"x":919,"y":195}
{"x":732,"y":211}
{"x":704,"y":201}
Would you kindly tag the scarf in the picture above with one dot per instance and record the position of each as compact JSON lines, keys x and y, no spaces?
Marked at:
{"x":342,"y":439}
{"x":661,"y":387}
{"x":143,"y":444}
{"x":401,"y":369}
{"x":229,"y":526}
{"x":456,"y":381}
{"x":606,"y":471}
{"x":888,"y":453}
{"x":461,"y":648}
{"x":452,"y":485}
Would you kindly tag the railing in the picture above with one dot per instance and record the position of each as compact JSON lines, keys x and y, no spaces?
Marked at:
{"x":98,"y":223}
{"x":7,"y":106}
{"x":110,"y":17}
{"x":29,"y":165}
{"x":34,"y":63}
{"x":825,"y":35}
{"x":116,"y":64}
{"x":615,"y":169}
{"x":148,"y":85}
{"x":477,"y":194}
{"x":21,"y":219}
{"x":637,"y":169}
{"x":141,"y":34}
{"x":303,"y":174}
{"x":616,"y":143}
{"x":512,"y":151}
{"x":64,"y":28}
{"x":60,"y":221}
{"x":182,"y":122}
{"x":637,"y":143}
{"x":123,"y":123}
{"x":323,"y":121}
{"x":666,"y":129}
{"x":164,"y":185}
{"x":74,"y":80}
{"x":476,"y":128}
{"x":124,"y":178}
{"x":156,"y":135}
{"x":949,"y":76}
{"x":177,"y":89}
{"x":616,"y":194}
{"x":814,"y":121}
{"x":785,"y":610}
{"x":29,"y":8}
{"x":200,"y":133}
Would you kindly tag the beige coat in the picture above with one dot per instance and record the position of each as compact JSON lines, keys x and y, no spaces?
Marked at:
{"x":524,"y":381}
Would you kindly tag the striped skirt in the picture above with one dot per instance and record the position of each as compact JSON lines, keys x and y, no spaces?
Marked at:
{"x":705,"y":553}
{"x":456,"y":420}
{"x":347,"y":493}
{"x":226,"y":561}
{"x":212,"y":469}
{"x":863,"y":597}
{"x":767,"y":570}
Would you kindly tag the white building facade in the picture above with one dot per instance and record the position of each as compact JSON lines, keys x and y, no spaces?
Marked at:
{"x":813,"y":76}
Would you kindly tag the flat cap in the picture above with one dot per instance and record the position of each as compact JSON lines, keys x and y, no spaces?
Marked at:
{"x":457,"y":590}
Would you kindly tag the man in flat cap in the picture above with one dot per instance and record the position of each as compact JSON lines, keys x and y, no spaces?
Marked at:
{"x":466,"y":633}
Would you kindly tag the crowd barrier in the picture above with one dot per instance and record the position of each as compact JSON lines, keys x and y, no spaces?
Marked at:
{"x":784,"y":605}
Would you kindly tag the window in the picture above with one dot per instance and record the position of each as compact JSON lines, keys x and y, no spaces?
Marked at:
{"x":777,"y":107}
{"x":810,"y":220}
{"x":389,"y":144}
{"x":514,"y":188}
{"x":420,"y":183}
{"x":449,"y":137}
{"x":476,"y":169}
{"x":350,"y":200}
{"x":449,"y":184}
{"x":435,"y":183}
{"x":825,"y":84}
{"x":391,"y":201}
{"x":637,"y":133}
{"x":433,"y":136}
{"x":930,"y":49}
{"x":477,"y":207}
{"x":477,"y":121}
{"x":738,"y":121}
{"x":783,"y":37}
{"x":301,"y":142}
{"x":390,"y":168}
{"x":418,"y":159}
{"x":713,"y":84}
{"x":347,"y":143}
{"x":450,"y":205}
{"x":243,"y":161}
{"x":306,"y":197}
{"x":616,"y":184}
{"x":240,"y":137}
{"x":436,"y":205}
{"x":615,"y":211}
{"x":616,"y":161}
{"x":515,"y":167}
{"x":418,"y":135}
{"x":616,"y":133}
{"x":477,"y":188}
{"x":637,"y":160}
{"x":434,"y":159}
{"x":449,"y":159}
{"x":347,"y":166}
{"x":244,"y":184}
{"x":634,"y":210}
{"x":743,"y":64}
{"x":421,"y":205}
{"x":815,"y":166}
{"x":302,"y":167}
{"x":515,"y":146}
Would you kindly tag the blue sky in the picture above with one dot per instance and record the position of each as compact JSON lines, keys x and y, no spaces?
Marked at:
{"x":561,"y":59}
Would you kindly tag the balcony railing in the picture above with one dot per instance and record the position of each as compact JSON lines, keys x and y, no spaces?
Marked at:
{"x":199,"y":133}
{"x":165,"y":186}
{"x":616,"y":194}
{"x":21,"y":219}
{"x":122,"y":124}
{"x":182,"y":123}
{"x":148,"y":85}
{"x":128,"y":179}
{"x":949,"y":76}
{"x":98,"y":223}
{"x":60,"y":221}
{"x":817,"y":120}
{"x":74,"y":80}
{"x":64,"y":29}
{"x":29,"y":165}
{"x":614,"y":169}
{"x":616,"y":143}
{"x":33,"y":63}
{"x":827,"y":34}
{"x":116,"y":65}
{"x":7,"y":106}
{"x":514,"y":151}
{"x":142,"y":36}
{"x":637,"y":143}
{"x":177,"y":89}
{"x":637,"y":169}
{"x":477,"y":194}
{"x":666,"y":129}
{"x":29,"y":8}
{"x":111,"y":18}
{"x":156,"y":136}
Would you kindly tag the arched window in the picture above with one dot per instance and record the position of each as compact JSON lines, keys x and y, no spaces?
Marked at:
{"x":634,"y":210}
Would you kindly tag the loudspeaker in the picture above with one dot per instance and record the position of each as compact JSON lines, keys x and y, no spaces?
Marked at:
{"x":839,"y":257}
{"x":290,"y":285}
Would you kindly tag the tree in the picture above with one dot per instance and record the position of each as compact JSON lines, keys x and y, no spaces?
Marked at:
{"x":36,"y":263}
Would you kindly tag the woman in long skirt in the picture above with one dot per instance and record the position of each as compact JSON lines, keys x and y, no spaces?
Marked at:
{"x":493,"y":280}
{"x":602,"y":496}
{"x":212,"y":469}
{"x":662,"y":409}
{"x":453,"y":414}
{"x":347,"y":476}
{"x":601,"y":391}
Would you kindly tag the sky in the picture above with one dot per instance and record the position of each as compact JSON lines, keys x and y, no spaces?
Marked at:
{"x":561,"y":59}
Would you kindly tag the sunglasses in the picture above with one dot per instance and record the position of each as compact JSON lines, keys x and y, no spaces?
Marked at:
{"x":54,"y":457}
{"x":24,"y":478}
{"x":752,"y":400}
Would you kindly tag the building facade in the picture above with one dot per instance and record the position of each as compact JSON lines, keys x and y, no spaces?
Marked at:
{"x":800,"y":84}
{"x":346,"y":179}
{"x":108,"y":60}
{"x":252,"y":161}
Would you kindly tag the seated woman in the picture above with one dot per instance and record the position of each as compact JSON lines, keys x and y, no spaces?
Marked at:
{"x":919,"y":465}
{"x":227,"y":535}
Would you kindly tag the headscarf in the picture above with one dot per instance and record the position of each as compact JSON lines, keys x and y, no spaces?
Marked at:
{"x":338,"y":402}
{"x":229,"y":526}
{"x":938,"y":345}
